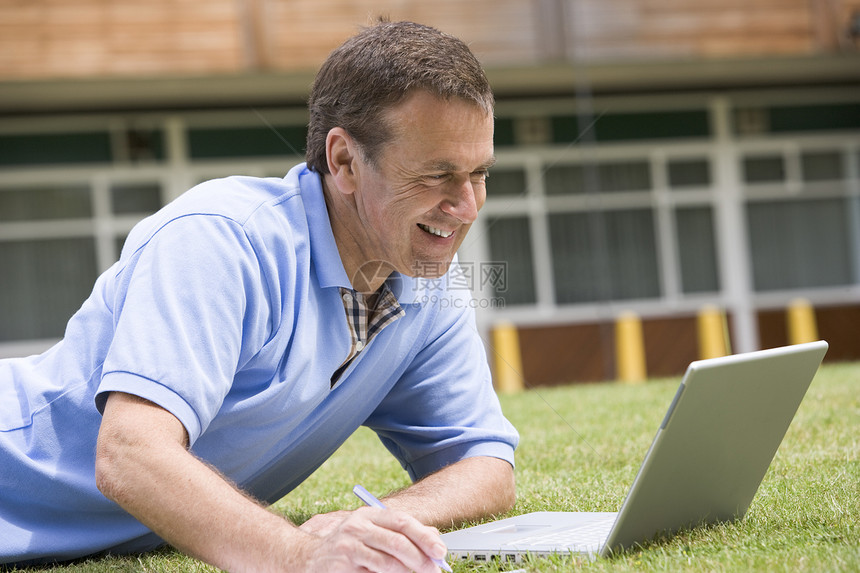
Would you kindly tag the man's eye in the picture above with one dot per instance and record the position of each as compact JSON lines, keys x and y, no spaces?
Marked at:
{"x":480,"y":175}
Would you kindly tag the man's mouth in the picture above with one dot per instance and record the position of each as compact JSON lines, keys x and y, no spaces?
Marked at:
{"x":435,"y":231}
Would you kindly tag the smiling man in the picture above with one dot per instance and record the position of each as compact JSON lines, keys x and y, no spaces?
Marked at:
{"x":252,"y":325}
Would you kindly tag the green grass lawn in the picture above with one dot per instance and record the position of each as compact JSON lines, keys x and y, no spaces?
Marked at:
{"x":580,"y":449}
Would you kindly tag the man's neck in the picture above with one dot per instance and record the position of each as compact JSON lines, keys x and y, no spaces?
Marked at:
{"x":365,"y":274}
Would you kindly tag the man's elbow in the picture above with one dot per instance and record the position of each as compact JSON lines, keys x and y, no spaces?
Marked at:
{"x":120,"y":467}
{"x":500,"y":486}
{"x":107,"y":472}
{"x":508,"y":490}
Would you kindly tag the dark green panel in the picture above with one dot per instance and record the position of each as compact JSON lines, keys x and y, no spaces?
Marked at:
{"x":504,"y":132}
{"x":511,"y":182}
{"x":814,"y":117}
{"x":653,"y":125}
{"x":55,"y":148}
{"x":634,"y":126}
{"x":206,"y":143}
{"x":565,"y":129}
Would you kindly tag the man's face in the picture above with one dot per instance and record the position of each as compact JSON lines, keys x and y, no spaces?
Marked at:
{"x":429,"y":182}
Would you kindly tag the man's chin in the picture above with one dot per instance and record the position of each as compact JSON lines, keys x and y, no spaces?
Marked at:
{"x":429,"y":269}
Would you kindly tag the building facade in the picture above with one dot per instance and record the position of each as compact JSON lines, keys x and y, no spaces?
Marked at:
{"x":653,"y":156}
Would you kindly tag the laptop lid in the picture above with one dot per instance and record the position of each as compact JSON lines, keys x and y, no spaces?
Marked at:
{"x":716,"y":442}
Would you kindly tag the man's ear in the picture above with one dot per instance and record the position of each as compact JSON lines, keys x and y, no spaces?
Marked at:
{"x":341,"y":155}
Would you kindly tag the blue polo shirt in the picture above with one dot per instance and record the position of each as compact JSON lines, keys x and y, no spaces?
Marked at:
{"x":225,"y":310}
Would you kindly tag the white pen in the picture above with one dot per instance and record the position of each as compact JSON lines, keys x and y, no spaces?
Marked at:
{"x":371,"y":500}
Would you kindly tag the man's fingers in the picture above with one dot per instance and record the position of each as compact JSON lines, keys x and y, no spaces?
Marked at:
{"x":396,"y":538}
{"x":425,"y":537}
{"x":362,"y":556}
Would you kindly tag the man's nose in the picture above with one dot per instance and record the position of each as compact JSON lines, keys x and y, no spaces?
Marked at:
{"x":461,"y":201}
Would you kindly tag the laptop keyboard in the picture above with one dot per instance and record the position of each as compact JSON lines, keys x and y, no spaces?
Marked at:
{"x":594,"y":533}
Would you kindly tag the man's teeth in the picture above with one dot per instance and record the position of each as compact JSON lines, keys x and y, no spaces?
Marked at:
{"x":435,"y":231}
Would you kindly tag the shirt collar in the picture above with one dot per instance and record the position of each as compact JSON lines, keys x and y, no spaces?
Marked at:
{"x":324,"y":253}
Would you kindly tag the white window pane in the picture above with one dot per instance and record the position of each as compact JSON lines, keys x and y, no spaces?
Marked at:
{"x":136,"y":198}
{"x":697,"y":249}
{"x":607,"y":177}
{"x":565,"y":180}
{"x":764,"y":169}
{"x":510,"y":243}
{"x":45,"y":202}
{"x":42,"y":283}
{"x":689,"y":173}
{"x":799,"y":244}
{"x":601,"y":256}
{"x":822,"y":166}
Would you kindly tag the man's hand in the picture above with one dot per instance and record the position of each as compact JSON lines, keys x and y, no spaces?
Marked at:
{"x":371,"y":539}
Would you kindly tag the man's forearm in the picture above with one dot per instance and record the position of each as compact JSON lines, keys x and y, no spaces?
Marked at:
{"x":469,"y":489}
{"x":143,"y":466}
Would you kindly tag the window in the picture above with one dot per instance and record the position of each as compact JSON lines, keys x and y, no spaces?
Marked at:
{"x":684,"y":173}
{"x":135,"y":198}
{"x":631,"y":126}
{"x":44,"y":283}
{"x":45,"y":203}
{"x":626,"y":207}
{"x":604,"y":255}
{"x":764,"y":169}
{"x":800,"y":244}
{"x":607,"y":177}
{"x":822,"y":166}
{"x":696,"y":249}
{"x":510,"y":243}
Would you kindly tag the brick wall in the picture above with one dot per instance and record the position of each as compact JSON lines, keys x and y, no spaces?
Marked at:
{"x":78,"y":38}
{"x":49,"y":38}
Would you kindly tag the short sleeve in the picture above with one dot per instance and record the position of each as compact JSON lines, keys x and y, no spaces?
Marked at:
{"x":189,"y":307}
{"x":444,"y":408}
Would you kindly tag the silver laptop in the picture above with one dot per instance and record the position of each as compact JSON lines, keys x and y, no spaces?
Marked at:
{"x":705,"y":464}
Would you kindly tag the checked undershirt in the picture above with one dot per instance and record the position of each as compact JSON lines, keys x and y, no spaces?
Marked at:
{"x":364,"y":322}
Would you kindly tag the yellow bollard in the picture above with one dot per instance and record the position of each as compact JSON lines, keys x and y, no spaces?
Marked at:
{"x":630,"y":348}
{"x":801,"y":322}
{"x":713,"y":335}
{"x":508,"y":372}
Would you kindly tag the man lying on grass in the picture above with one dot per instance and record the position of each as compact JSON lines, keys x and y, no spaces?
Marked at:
{"x":253,"y":324}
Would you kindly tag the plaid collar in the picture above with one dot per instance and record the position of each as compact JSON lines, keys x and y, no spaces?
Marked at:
{"x":364,"y":322}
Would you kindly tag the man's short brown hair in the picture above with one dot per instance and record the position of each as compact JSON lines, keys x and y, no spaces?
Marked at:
{"x":376,"y":70}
